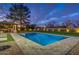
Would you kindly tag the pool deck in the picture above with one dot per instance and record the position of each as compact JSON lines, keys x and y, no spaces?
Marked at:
{"x":12,"y":50}
{"x":66,"y":46}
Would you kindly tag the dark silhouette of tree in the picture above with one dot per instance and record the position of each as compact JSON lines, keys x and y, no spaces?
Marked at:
{"x":63,"y":25}
{"x":19,"y":12}
{"x":51,"y":24}
{"x":32,"y":26}
{"x":77,"y":22}
{"x":69,"y":24}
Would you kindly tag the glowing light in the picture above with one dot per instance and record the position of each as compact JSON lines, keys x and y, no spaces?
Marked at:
{"x":67,"y":30}
{"x":77,"y":30}
{"x":46,"y":29}
{"x":19,"y":26}
{"x":18,"y":29}
{"x":30,"y":29}
{"x":59,"y":30}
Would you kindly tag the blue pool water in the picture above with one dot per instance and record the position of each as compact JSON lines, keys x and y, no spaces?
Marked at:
{"x":42,"y":38}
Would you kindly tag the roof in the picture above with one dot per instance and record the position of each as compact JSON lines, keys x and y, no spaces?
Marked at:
{"x":7,"y":23}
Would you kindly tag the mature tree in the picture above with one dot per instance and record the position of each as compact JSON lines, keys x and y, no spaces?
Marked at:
{"x":51,"y":24}
{"x":63,"y":25}
{"x":32,"y":26}
{"x":19,"y":12}
{"x":69,"y":23}
{"x":77,"y":22}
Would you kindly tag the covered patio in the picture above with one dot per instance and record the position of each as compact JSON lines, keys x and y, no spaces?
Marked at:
{"x":8,"y":27}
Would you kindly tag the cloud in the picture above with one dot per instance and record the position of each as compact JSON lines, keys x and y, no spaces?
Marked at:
{"x":46,"y":19}
{"x":51,"y":19}
{"x":59,"y":19}
{"x":74,"y":14}
{"x":59,"y":8}
{"x":70,"y":15}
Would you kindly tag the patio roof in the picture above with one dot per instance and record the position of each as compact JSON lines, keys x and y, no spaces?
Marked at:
{"x":7,"y":23}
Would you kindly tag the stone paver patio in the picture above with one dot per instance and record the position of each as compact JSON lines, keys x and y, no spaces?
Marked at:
{"x":21,"y":45}
{"x":66,"y":46}
{"x":13,"y":50}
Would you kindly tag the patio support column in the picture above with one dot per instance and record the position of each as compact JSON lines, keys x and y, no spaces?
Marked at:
{"x":15,"y":28}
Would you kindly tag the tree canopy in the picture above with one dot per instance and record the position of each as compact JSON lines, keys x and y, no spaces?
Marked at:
{"x":19,"y":12}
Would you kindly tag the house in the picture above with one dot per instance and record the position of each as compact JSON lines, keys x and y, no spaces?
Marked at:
{"x":8,"y":27}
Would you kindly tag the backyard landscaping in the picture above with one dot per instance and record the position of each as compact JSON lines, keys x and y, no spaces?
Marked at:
{"x":19,"y":21}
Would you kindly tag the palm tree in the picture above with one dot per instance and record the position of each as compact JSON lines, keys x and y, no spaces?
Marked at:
{"x":19,"y":12}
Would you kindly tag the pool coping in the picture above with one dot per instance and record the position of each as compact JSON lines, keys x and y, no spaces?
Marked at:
{"x":58,"y":48}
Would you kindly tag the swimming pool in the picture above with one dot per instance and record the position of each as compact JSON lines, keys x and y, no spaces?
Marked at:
{"x":42,"y":38}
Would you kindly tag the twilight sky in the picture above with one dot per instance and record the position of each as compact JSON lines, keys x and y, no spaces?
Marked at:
{"x":44,"y":13}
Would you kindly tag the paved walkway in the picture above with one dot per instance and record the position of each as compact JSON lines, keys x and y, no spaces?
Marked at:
{"x":62,"y":47}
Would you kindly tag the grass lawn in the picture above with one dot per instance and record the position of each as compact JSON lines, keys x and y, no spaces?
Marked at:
{"x":65,"y":33}
{"x":60,"y":33}
{"x":9,"y":38}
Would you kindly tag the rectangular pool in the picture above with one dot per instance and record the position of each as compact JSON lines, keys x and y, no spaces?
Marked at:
{"x":42,"y":38}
